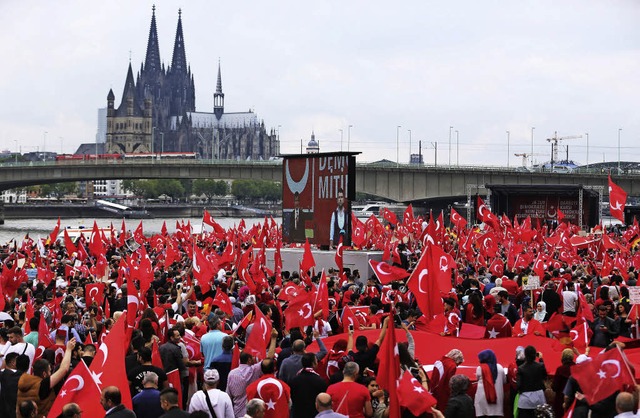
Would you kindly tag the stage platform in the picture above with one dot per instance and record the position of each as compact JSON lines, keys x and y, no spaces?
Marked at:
{"x":353,"y":260}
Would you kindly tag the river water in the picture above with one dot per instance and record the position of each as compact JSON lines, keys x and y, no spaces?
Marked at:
{"x":18,"y":228}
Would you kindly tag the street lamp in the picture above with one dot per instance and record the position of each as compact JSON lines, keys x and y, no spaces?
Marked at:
{"x":341,"y":136}
{"x":398,"y":145}
{"x":508,"y":134}
{"x":587,"y":135}
{"x":16,"y":141}
{"x":349,"y":137}
{"x":450,"y":129}
{"x":161,"y":145}
{"x":44,"y":146}
{"x":532,"y":128}
{"x":435,"y":150}
{"x":457,"y":148}
{"x":619,"y":130}
{"x":409,"y":145}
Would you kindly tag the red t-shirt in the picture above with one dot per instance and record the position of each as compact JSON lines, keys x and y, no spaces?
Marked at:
{"x":355,"y":397}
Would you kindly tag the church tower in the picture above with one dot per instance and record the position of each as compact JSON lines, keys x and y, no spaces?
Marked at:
{"x":182,"y":93}
{"x":218,"y":96}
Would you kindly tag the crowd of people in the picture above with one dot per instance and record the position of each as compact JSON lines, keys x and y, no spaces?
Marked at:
{"x":264,"y":355}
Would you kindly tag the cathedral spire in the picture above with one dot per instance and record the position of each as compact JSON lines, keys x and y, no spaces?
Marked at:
{"x":218,"y":96}
{"x":129,"y":86}
{"x":179,"y":59}
{"x":152,"y":59}
{"x":219,"y":83}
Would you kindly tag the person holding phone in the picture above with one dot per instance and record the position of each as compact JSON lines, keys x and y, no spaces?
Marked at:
{"x":605,"y":329}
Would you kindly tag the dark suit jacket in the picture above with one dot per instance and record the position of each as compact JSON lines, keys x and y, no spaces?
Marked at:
{"x":296,"y":233}
{"x":175,"y":413}
{"x":460,"y":406}
{"x":120,"y":412}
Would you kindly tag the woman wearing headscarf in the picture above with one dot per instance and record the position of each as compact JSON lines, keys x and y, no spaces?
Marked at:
{"x":490,"y":393}
{"x":443,"y":370}
{"x":541,"y":314}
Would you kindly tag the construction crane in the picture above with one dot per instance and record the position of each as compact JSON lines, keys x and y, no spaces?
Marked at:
{"x":554,"y":144}
{"x":526,"y":155}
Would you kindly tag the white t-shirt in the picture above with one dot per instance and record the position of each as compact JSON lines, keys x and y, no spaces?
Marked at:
{"x":20,"y":349}
{"x":569,"y":298}
{"x":220,"y":401}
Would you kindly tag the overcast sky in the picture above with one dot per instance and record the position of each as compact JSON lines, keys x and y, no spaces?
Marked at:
{"x":483,"y":67}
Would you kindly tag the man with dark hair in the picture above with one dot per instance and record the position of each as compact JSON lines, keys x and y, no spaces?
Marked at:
{"x":169,"y":403}
{"x":9,"y":378}
{"x":171,"y":353}
{"x":506,"y":308}
{"x":222,"y":363}
{"x":136,"y":375}
{"x":364,"y":355}
{"x":293,"y":364}
{"x":340,"y":225}
{"x":247,"y":372}
{"x":111,"y":401}
{"x":28,"y":409}
{"x":275,"y":392}
{"x":38,"y":387}
{"x":211,"y":342}
{"x":305,"y":387}
{"x":18,"y":345}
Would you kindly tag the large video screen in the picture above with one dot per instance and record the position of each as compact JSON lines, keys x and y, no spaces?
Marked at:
{"x":316,"y":193}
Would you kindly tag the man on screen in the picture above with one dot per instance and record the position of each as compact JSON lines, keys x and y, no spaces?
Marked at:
{"x":294,"y":221}
{"x":341,"y":222}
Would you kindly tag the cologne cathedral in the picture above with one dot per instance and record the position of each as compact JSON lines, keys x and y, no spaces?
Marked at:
{"x":157,"y":113}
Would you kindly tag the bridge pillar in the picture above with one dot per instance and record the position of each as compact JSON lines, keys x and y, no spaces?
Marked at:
{"x":1,"y":212}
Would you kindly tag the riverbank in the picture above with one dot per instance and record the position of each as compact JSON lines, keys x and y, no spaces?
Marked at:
{"x":53,"y":211}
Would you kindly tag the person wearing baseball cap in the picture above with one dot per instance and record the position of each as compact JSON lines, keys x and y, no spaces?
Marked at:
{"x":210,"y":399}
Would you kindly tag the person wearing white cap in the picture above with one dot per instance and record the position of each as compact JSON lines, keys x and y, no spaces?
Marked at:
{"x":210,"y":399}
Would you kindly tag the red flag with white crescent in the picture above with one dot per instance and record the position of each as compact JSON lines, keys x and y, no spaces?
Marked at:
{"x":260,"y":335}
{"x":79,"y":388}
{"x":617,"y":200}
{"x":94,"y":293}
{"x":339,"y":258}
{"x":387,"y":273}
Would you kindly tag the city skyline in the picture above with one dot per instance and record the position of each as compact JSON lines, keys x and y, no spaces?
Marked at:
{"x":478,"y":75}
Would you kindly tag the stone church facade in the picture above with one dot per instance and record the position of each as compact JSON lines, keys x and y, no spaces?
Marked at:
{"x":157,"y":113}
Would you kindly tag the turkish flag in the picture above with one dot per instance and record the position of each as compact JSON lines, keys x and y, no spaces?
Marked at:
{"x":173,"y":379}
{"x":603,"y":375}
{"x":389,"y":216}
{"x":133,"y":302}
{"x":389,"y":368}
{"x":79,"y":388}
{"x":581,"y":335}
{"x":94,"y":293}
{"x":413,"y":396}
{"x":387,"y":273}
{"x":359,"y":235}
{"x":321,"y":300}
{"x":96,"y":246}
{"x":617,"y":200}
{"x":339,"y":255}
{"x":274,"y":392}
{"x":44,"y":339}
{"x":497,"y":267}
{"x":156,"y":359}
{"x":222,"y":301}
{"x":458,"y":221}
{"x":193,"y":346}
{"x":107,"y":366}
{"x":69,"y":245}
{"x":208,"y":219}
{"x":299,"y":313}
{"x":260,"y":335}
{"x":472,"y":331}
{"x":307,"y":258}
{"x":203,"y":271}
{"x":407,"y":216}
{"x":423,"y":284}
{"x":349,"y":317}
{"x":54,"y":234}
{"x":138,"y":234}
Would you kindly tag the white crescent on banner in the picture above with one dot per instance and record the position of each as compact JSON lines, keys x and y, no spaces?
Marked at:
{"x":572,"y":333}
{"x":263,"y":324}
{"x":420,"y":277}
{"x":429,"y":238}
{"x":297,"y":186}
{"x":615,"y":363}
{"x":308,"y":315}
{"x":455,"y":217}
{"x":618,"y":206}
{"x":270,"y":380}
{"x":338,"y":253}
{"x":481,"y":209}
{"x":444,"y":266}
{"x":191,"y":351}
{"x":486,"y":243}
{"x":105,"y":351}
{"x":196,"y":267}
{"x":91,"y":292}
{"x":80,"y":383}
{"x":379,"y":269}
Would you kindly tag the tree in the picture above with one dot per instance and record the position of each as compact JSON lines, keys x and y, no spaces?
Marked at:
{"x":58,"y":190}
{"x":210,"y":188}
{"x":172,"y":188}
{"x":254,"y":190}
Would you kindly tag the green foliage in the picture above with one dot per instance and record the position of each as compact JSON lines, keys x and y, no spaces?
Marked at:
{"x":58,"y":190}
{"x":210,"y":188}
{"x":253,"y":190}
{"x":151,"y":189}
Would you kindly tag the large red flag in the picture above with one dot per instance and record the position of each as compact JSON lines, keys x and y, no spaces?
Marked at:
{"x":389,"y":369}
{"x":260,"y":335}
{"x":307,"y":258}
{"x":604,"y":375}
{"x":69,"y":245}
{"x":300,"y":311}
{"x":387,"y":273}
{"x":208,"y":219}
{"x":79,"y":388}
{"x":108,"y":367}
{"x":389,"y":216}
{"x":54,"y":234}
{"x":44,"y":338}
{"x":617,"y":200}
{"x":94,"y":293}
{"x":96,"y":246}
{"x":424,"y":286}
{"x":222,"y":301}
{"x":203,"y":271}
{"x":458,"y":221}
{"x":413,"y":396}
{"x":173,"y":379}
{"x":321,"y":300}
